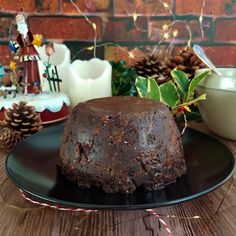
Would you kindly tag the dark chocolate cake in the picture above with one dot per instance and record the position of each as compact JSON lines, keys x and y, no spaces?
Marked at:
{"x":120,"y":143}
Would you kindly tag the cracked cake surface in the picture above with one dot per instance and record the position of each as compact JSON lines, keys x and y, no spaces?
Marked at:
{"x":120,"y":143}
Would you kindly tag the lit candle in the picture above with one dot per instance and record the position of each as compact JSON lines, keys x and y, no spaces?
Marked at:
{"x":90,"y":79}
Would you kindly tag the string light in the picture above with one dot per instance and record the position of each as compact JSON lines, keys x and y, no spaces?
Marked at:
{"x":175,"y":33}
{"x":166,"y":35}
{"x":94,"y":26}
{"x":135,"y":18}
{"x":166,"y":5}
{"x":165,"y":27}
{"x":201,"y":17}
{"x":131,"y":55}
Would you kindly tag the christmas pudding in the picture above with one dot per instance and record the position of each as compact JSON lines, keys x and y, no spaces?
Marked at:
{"x":120,"y":143}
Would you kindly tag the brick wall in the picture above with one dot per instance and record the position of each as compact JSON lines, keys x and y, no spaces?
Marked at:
{"x":59,"y":21}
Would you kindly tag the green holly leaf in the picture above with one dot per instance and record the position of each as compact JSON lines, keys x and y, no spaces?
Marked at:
{"x":182,"y":81}
{"x":153,"y":90}
{"x":202,"y":97}
{"x":123,"y":79}
{"x":141,"y":84}
{"x":169,"y":94}
{"x":147,"y":88}
{"x":194,"y":82}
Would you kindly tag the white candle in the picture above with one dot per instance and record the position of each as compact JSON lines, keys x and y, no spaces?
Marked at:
{"x":89,"y":79}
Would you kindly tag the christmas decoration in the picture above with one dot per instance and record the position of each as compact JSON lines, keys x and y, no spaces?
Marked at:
{"x":24,"y":46}
{"x":38,"y":40}
{"x":177,"y":95}
{"x":50,"y":72}
{"x":22,"y":118}
{"x":49,"y":49}
{"x":152,"y":66}
{"x":186,"y":60}
{"x":8,"y":138}
{"x":123,"y":79}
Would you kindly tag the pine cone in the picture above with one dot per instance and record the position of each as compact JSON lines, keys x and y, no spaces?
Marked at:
{"x":186,"y":60}
{"x":8,"y":138}
{"x":152,"y":66}
{"x":22,"y":118}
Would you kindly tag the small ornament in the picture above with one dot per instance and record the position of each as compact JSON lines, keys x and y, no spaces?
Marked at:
{"x":13,"y":65}
{"x":14,"y":47}
{"x":8,"y":138}
{"x":22,"y":118}
{"x":37,"y":40}
{"x":49,"y":49}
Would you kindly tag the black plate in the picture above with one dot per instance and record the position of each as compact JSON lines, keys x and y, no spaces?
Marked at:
{"x":32,"y":167}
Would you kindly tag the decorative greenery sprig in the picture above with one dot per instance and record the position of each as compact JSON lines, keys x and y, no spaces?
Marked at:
{"x":177,"y":95}
{"x":123,"y":79}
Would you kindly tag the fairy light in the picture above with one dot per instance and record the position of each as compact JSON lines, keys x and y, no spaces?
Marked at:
{"x":166,"y":5}
{"x":166,"y":35}
{"x":94,"y":26}
{"x":175,"y":33}
{"x":190,"y":35}
{"x":131,"y":55}
{"x":165,"y":27}
{"x":135,"y":18}
{"x":201,"y":17}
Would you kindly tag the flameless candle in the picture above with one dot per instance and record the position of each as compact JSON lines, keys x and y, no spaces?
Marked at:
{"x":89,"y":79}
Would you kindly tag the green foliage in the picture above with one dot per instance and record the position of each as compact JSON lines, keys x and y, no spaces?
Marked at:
{"x":169,"y":94}
{"x":147,"y":88}
{"x":194,"y":82}
{"x":123,"y":79}
{"x":177,"y":94}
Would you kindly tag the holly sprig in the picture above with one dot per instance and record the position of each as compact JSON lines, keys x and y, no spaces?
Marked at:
{"x":177,"y":94}
{"x":123,"y":79}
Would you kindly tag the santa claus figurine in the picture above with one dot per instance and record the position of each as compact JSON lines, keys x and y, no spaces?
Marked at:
{"x":28,"y":56}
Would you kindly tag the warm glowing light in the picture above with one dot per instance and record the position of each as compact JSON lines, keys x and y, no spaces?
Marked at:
{"x":131,"y":55}
{"x":135,"y":16}
{"x":175,"y":33}
{"x":166,"y":35}
{"x":165,"y":27}
{"x":90,"y":48}
{"x":166,"y":5}
{"x":94,"y":26}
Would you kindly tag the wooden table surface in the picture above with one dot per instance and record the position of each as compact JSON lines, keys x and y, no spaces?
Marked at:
{"x":19,"y":217}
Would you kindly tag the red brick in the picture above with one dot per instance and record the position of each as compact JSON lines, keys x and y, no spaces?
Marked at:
{"x":13,"y":5}
{"x":132,"y":55}
{"x":156,"y":32}
{"x":126,"y":30}
{"x":225,"y":30}
{"x":67,"y":28}
{"x":154,"y":7}
{"x":29,"y":5}
{"x":4,"y":27}
{"x":222,"y":55}
{"x":51,"y":6}
{"x":86,"y":5}
{"x":211,"y":7}
{"x":5,"y":55}
{"x":123,"y":53}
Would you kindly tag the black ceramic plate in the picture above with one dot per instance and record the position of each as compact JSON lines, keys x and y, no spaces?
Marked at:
{"x":32,"y":167}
